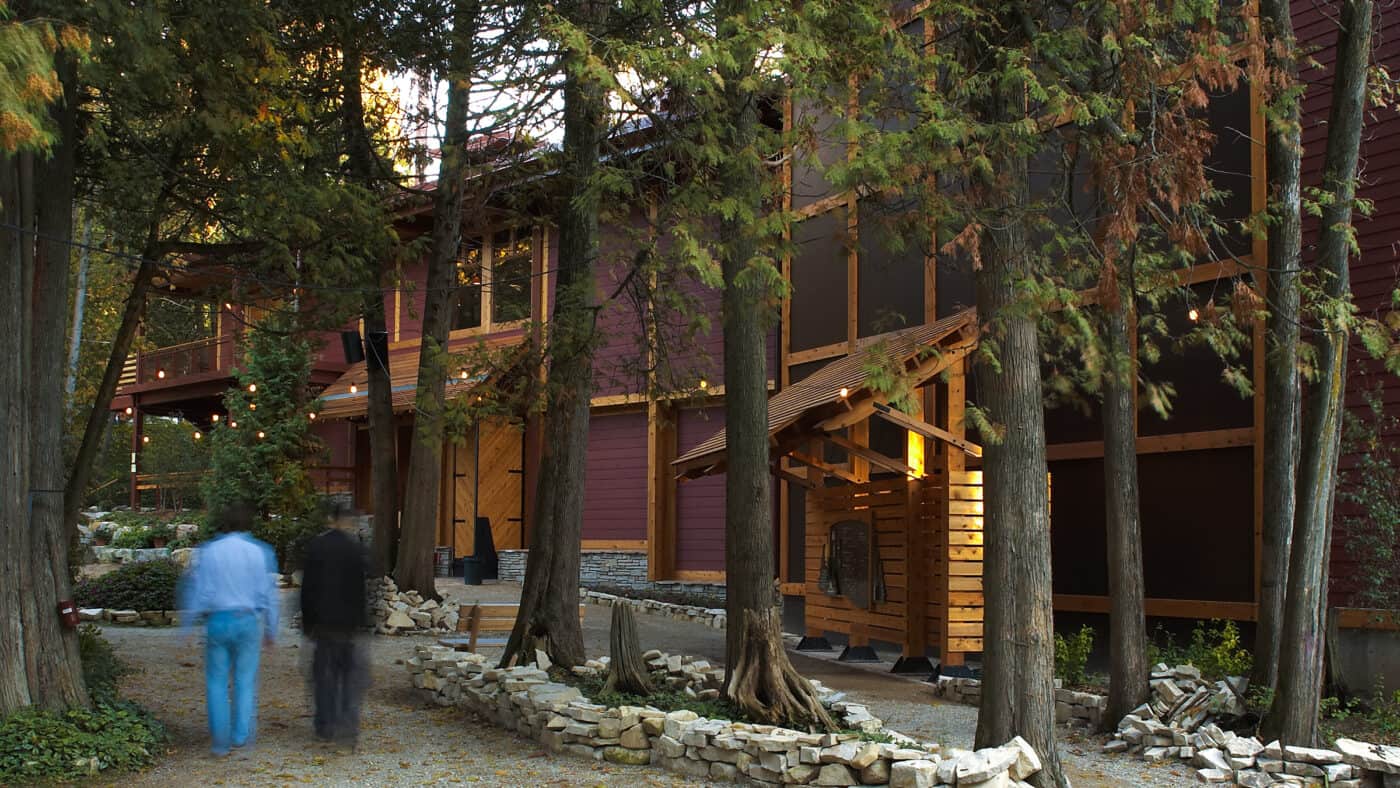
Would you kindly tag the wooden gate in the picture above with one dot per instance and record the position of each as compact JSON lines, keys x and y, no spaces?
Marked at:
{"x":499,"y":463}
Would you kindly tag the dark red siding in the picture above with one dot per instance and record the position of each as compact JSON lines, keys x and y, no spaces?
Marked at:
{"x":615,"y":489}
{"x":699,"y":502}
{"x":1373,"y":275}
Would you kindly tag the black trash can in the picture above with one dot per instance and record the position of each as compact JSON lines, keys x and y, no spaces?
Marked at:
{"x":471,"y":570}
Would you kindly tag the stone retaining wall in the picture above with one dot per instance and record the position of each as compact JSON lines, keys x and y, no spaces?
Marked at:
{"x":713,"y":617}
{"x":610,"y":568}
{"x":140,"y":618}
{"x":1075,"y":709}
{"x":524,"y":699}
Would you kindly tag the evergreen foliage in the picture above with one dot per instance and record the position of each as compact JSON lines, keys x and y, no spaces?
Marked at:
{"x":146,"y":585}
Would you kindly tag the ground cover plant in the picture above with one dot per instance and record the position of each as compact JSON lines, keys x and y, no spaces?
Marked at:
{"x":148,"y":585}
{"x":45,"y":746}
{"x":592,"y":688}
{"x":1214,"y":648}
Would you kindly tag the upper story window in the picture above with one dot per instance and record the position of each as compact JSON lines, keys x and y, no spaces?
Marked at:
{"x":494,"y":275}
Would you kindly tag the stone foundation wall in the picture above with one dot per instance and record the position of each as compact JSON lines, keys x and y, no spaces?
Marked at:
{"x":138,"y":618}
{"x":611,"y":569}
{"x":1075,"y":709}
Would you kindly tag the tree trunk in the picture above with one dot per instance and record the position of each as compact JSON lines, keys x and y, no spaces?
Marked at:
{"x":14,"y":446}
{"x":627,"y":672}
{"x":79,"y":303}
{"x":1293,"y":717}
{"x":548,"y":616}
{"x":1018,"y":691}
{"x":1128,"y":672}
{"x":56,"y":676}
{"x":763,"y":682}
{"x":414,"y":568}
{"x":383,"y":442}
{"x":1283,"y":147}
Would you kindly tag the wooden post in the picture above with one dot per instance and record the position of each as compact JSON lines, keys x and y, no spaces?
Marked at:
{"x":137,"y":429}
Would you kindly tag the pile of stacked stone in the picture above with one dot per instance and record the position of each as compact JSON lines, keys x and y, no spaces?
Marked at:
{"x":1074,"y":709}
{"x":525,"y":699}
{"x":1179,"y":722}
{"x":140,"y":618}
{"x":713,"y":617}
{"x":406,"y":613}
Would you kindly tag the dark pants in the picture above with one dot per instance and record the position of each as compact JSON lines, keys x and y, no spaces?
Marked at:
{"x":339,"y":678}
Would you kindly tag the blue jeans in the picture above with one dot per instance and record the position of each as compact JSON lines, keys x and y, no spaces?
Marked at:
{"x":232,"y":647}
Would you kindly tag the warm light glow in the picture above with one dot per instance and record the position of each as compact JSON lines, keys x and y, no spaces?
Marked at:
{"x":916,"y":456}
{"x":1193,"y":315}
{"x":128,"y":410}
{"x":215,"y":418}
{"x":311,"y":416}
{"x":252,"y":388}
{"x":198,"y":435}
{"x":354,"y":388}
{"x":227,"y":305}
{"x":261,"y":435}
{"x":145,"y":439}
{"x":704,"y":384}
{"x":233,"y":424}
{"x":160,"y":373}
{"x":464,"y":374}
{"x":252,"y":406}
{"x":844,"y":392}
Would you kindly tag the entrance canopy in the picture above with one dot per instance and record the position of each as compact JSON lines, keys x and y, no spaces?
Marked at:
{"x":348,"y":396}
{"x":840,"y":394}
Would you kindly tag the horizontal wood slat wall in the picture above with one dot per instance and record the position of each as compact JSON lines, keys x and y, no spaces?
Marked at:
{"x":930,"y":548}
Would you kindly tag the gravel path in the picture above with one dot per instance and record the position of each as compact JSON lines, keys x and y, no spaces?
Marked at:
{"x":406,"y":741}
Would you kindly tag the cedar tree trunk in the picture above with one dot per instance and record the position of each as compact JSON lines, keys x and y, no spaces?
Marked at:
{"x":1128,"y":672}
{"x":55,"y":670}
{"x":1283,"y":147}
{"x":1293,"y":717}
{"x":14,"y":442}
{"x":383,"y":443}
{"x":1018,"y":690}
{"x":548,"y":616}
{"x":414,"y":568}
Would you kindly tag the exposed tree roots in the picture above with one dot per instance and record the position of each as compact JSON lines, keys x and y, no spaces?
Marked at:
{"x":763,"y":683}
{"x":627,"y":672}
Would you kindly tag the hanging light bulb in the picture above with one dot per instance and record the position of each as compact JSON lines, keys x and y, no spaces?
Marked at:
{"x":160,"y":373}
{"x":128,"y":410}
{"x":252,"y":388}
{"x":311,"y":416}
{"x":252,"y":406}
{"x":464,"y":374}
{"x":198,"y":435}
{"x":354,"y":388}
{"x":145,"y":439}
{"x":228,"y":306}
{"x":261,"y":435}
{"x":844,"y":392}
{"x":215,"y":418}
{"x":233,"y":424}
{"x":704,"y":384}
{"x":1193,"y":315}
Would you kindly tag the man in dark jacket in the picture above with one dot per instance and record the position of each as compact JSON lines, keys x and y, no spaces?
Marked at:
{"x":332,"y":613}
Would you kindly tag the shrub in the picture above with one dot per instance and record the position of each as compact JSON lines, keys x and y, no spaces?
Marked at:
{"x":102,"y":668}
{"x":1072,"y":655}
{"x":664,"y":699}
{"x":1214,"y":648}
{"x":42,"y":745}
{"x":1369,"y":492}
{"x":131,"y":537}
{"x":149,"y":585}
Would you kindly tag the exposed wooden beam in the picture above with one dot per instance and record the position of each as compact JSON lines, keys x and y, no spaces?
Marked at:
{"x":870,"y":455}
{"x":832,"y":470}
{"x":1158,"y":444}
{"x":787,"y":475}
{"x":863,"y":407}
{"x":925,"y":429}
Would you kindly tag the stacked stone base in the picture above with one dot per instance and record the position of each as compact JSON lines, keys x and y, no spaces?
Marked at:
{"x":713,"y":617}
{"x":524,"y":699}
{"x":626,"y":569}
{"x":406,"y":613}
{"x":1178,"y":723}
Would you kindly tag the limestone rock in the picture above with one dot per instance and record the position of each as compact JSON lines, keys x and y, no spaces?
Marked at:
{"x":399,"y":620}
{"x":985,"y":764}
{"x":1311,"y":755}
{"x":865,"y":756}
{"x":913,"y":774}
{"x":1211,"y":758}
{"x":836,"y":774}
{"x":1376,"y":757}
{"x":877,"y":773}
{"x":635,"y":738}
{"x":1027,"y":761}
{"x":624,"y":755}
{"x":1214,"y":776}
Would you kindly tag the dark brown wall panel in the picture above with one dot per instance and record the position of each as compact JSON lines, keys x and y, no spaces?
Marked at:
{"x":615,"y":487}
{"x":819,"y":287}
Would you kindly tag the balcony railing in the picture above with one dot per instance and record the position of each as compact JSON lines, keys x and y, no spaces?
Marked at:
{"x":177,"y":361}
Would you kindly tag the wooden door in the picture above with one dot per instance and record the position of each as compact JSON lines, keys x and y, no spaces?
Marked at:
{"x":500,"y":467}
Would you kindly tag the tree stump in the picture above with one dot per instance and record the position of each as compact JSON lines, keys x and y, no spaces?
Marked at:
{"x":627,"y":671}
{"x":764,"y":684}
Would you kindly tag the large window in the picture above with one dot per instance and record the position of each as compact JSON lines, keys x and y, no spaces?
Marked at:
{"x":494,"y":276}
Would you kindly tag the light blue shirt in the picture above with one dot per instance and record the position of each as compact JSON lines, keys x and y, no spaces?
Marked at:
{"x":233,"y":572}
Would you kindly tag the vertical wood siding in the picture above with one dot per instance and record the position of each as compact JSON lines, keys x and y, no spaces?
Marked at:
{"x":615,"y":487}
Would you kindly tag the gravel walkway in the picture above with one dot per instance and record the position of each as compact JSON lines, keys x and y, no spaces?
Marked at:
{"x":406,"y":741}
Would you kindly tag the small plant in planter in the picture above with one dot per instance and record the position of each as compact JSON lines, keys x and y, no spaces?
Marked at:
{"x":160,"y":535}
{"x":102,"y":535}
{"x":131,"y":537}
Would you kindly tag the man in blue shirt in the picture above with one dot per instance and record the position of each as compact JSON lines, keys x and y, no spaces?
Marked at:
{"x":231,"y":587}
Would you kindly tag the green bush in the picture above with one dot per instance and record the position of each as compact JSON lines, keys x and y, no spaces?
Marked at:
{"x":131,"y":537}
{"x":149,"y":585}
{"x":1214,"y":648}
{"x":663,"y":699}
{"x":42,"y":746}
{"x":1072,"y":655}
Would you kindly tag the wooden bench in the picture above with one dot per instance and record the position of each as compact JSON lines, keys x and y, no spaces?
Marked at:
{"x":472,"y":620}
